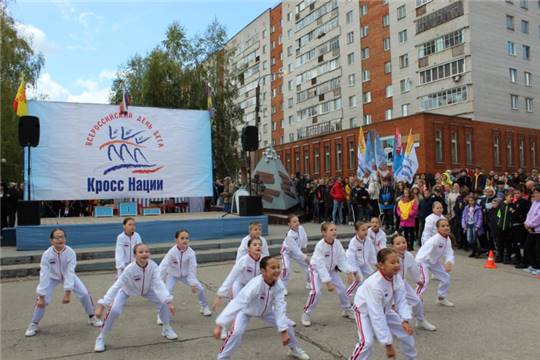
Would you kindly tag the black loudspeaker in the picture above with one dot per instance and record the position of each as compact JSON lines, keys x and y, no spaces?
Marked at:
{"x":29,"y":131}
{"x":250,"y":205}
{"x":28,"y":213}
{"x":250,"y":138}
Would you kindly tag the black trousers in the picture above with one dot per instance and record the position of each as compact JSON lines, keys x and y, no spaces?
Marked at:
{"x":409,"y":234}
{"x":532,"y":250}
{"x":504,"y":244}
{"x":519,"y":237}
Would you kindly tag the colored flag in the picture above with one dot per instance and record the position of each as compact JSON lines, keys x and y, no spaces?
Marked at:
{"x":19,"y":103}
{"x":362,"y":152}
{"x":125,"y":101}
{"x":210,"y":95}
{"x":370,"y":154}
{"x":410,"y":162}
{"x":397,"y":152}
{"x":380,"y":155}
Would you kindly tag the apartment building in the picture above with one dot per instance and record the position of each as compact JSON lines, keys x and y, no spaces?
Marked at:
{"x":462,"y":74}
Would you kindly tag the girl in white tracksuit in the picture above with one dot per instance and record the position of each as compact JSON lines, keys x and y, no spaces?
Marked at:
{"x":326,"y":259}
{"x":408,"y":266}
{"x":429,"y":261}
{"x":140,"y":278}
{"x":376,"y":235}
{"x":430,"y":227}
{"x":361,"y":256}
{"x":262,"y":297}
{"x":293,"y":244}
{"x":381,"y":310}
{"x":125,"y":243}
{"x":255,"y":231}
{"x":58,"y":267}
{"x":180,"y":265}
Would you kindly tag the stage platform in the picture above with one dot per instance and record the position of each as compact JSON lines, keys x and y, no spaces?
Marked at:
{"x":91,"y":231}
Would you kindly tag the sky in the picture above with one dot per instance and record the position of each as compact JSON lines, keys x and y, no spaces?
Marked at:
{"x":85,"y":42}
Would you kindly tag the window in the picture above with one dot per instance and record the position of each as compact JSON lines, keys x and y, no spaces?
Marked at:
{"x":364,"y":30}
{"x":291,"y":119}
{"x":438,"y":146}
{"x":296,"y":159}
{"x":514,"y":102}
{"x":386,"y":44}
{"x":405,"y":109}
{"x":306,"y":161}
{"x":468,"y":148}
{"x":422,"y":2}
{"x":524,"y":26}
{"x":403,"y":61}
{"x":352,"y":79}
{"x":529,"y":105}
{"x":510,"y":22}
{"x":388,"y":114}
{"x":289,"y":16}
{"x":511,"y":48}
{"x":401,"y":12}
{"x":386,"y":20}
{"x":363,"y":9}
{"x":527,"y":76}
{"x":366,"y":75}
{"x":366,"y":97}
{"x":496,"y":150}
{"x":443,"y":98}
{"x":339,"y":157}
{"x":389,"y":91}
{"x":352,"y":153}
{"x":521,"y":152}
{"x":405,"y":85}
{"x":367,"y":119}
{"x":289,"y":50}
{"x":509,"y":152}
{"x":387,"y":67}
{"x":350,"y":58}
{"x":365,"y":53}
{"x":454,"y":147}
{"x":442,"y":71}
{"x":513,"y":75}
{"x":524,"y":4}
{"x":439,"y":17}
{"x":291,"y":137}
{"x":441,"y":43}
{"x":352,"y":122}
{"x":316,"y":160}
{"x":327,"y":158}
{"x":288,"y":162}
{"x":290,"y":102}
{"x":264,"y":33}
{"x":533,"y":152}
{"x":350,"y":37}
{"x":289,"y":33}
{"x":526,"y":52}
{"x":352,"y":101}
{"x":402,"y":36}
{"x":349,"y":17}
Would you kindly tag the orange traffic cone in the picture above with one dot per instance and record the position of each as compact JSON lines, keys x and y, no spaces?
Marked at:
{"x":490,"y":263}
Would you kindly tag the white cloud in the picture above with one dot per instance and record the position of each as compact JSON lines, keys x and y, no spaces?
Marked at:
{"x":97,"y":96}
{"x":107,"y":74}
{"x":36,"y":37}
{"x":48,"y":89}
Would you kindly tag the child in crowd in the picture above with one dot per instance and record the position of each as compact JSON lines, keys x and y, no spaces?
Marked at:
{"x":327,"y":258}
{"x":293,"y":244}
{"x":504,"y":229}
{"x":255,"y":231}
{"x":471,"y":222}
{"x":140,"y":278}
{"x":430,"y":229}
{"x":58,"y":267}
{"x":262,"y":297}
{"x":429,"y":258}
{"x":180,"y":265}
{"x":376,"y":235}
{"x":406,"y":210}
{"x":245,"y":269}
{"x":125,"y":242}
{"x":381,"y":310}
{"x":361,"y":256}
{"x":408,"y":266}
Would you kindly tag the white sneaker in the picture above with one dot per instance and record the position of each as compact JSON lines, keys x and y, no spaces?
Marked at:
{"x":298,"y":353}
{"x":424,"y":324}
{"x":205,"y":310}
{"x":292,"y":323}
{"x":306,"y":320}
{"x":33,"y":328}
{"x":100,"y":344}
{"x":224,"y":334}
{"x":158,"y":320}
{"x":168,"y":332}
{"x":445,"y":302}
{"x":286,"y":292}
{"x":94,"y":321}
{"x":348,"y":313}
{"x":308,"y":285}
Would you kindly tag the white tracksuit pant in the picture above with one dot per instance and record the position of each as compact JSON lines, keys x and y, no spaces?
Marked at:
{"x":287,"y":270}
{"x":365,"y":272}
{"x":171,"y":281}
{"x":439,"y":273}
{"x":118,"y":305}
{"x":366,"y":336}
{"x":78,"y":289}
{"x":234,"y":337}
{"x":315,"y":293}
{"x":415,"y":302}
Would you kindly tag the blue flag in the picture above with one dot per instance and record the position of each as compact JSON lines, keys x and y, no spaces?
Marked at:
{"x":380,"y":154}
{"x":370,"y":154}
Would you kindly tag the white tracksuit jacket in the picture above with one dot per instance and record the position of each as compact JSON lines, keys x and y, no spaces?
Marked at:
{"x":245,"y":269}
{"x":361,"y":256}
{"x":180,"y":264}
{"x":434,"y":249}
{"x":430,"y":227}
{"x":294,"y":242}
{"x":258,"y":299}
{"x":408,"y":266}
{"x":243,"y":248}
{"x":123,"y":253}
{"x":59,"y":266}
{"x":138,"y":281}
{"x":326,"y":257}
{"x":378,"y":239}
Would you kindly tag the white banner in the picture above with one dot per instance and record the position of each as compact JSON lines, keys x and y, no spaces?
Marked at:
{"x":91,"y":151}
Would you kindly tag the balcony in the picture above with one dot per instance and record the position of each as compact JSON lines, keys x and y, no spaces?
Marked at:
{"x":319,"y":129}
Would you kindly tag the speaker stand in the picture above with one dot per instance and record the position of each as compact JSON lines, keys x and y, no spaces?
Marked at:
{"x":29,"y":171}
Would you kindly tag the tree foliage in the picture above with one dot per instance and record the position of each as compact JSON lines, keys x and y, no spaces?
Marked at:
{"x":175,"y":74}
{"x":16,"y":58}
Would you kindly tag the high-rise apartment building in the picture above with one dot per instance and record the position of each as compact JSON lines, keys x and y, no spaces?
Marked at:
{"x":464,"y":75}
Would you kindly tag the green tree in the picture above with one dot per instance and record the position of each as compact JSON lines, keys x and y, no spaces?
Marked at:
{"x":16,"y":58}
